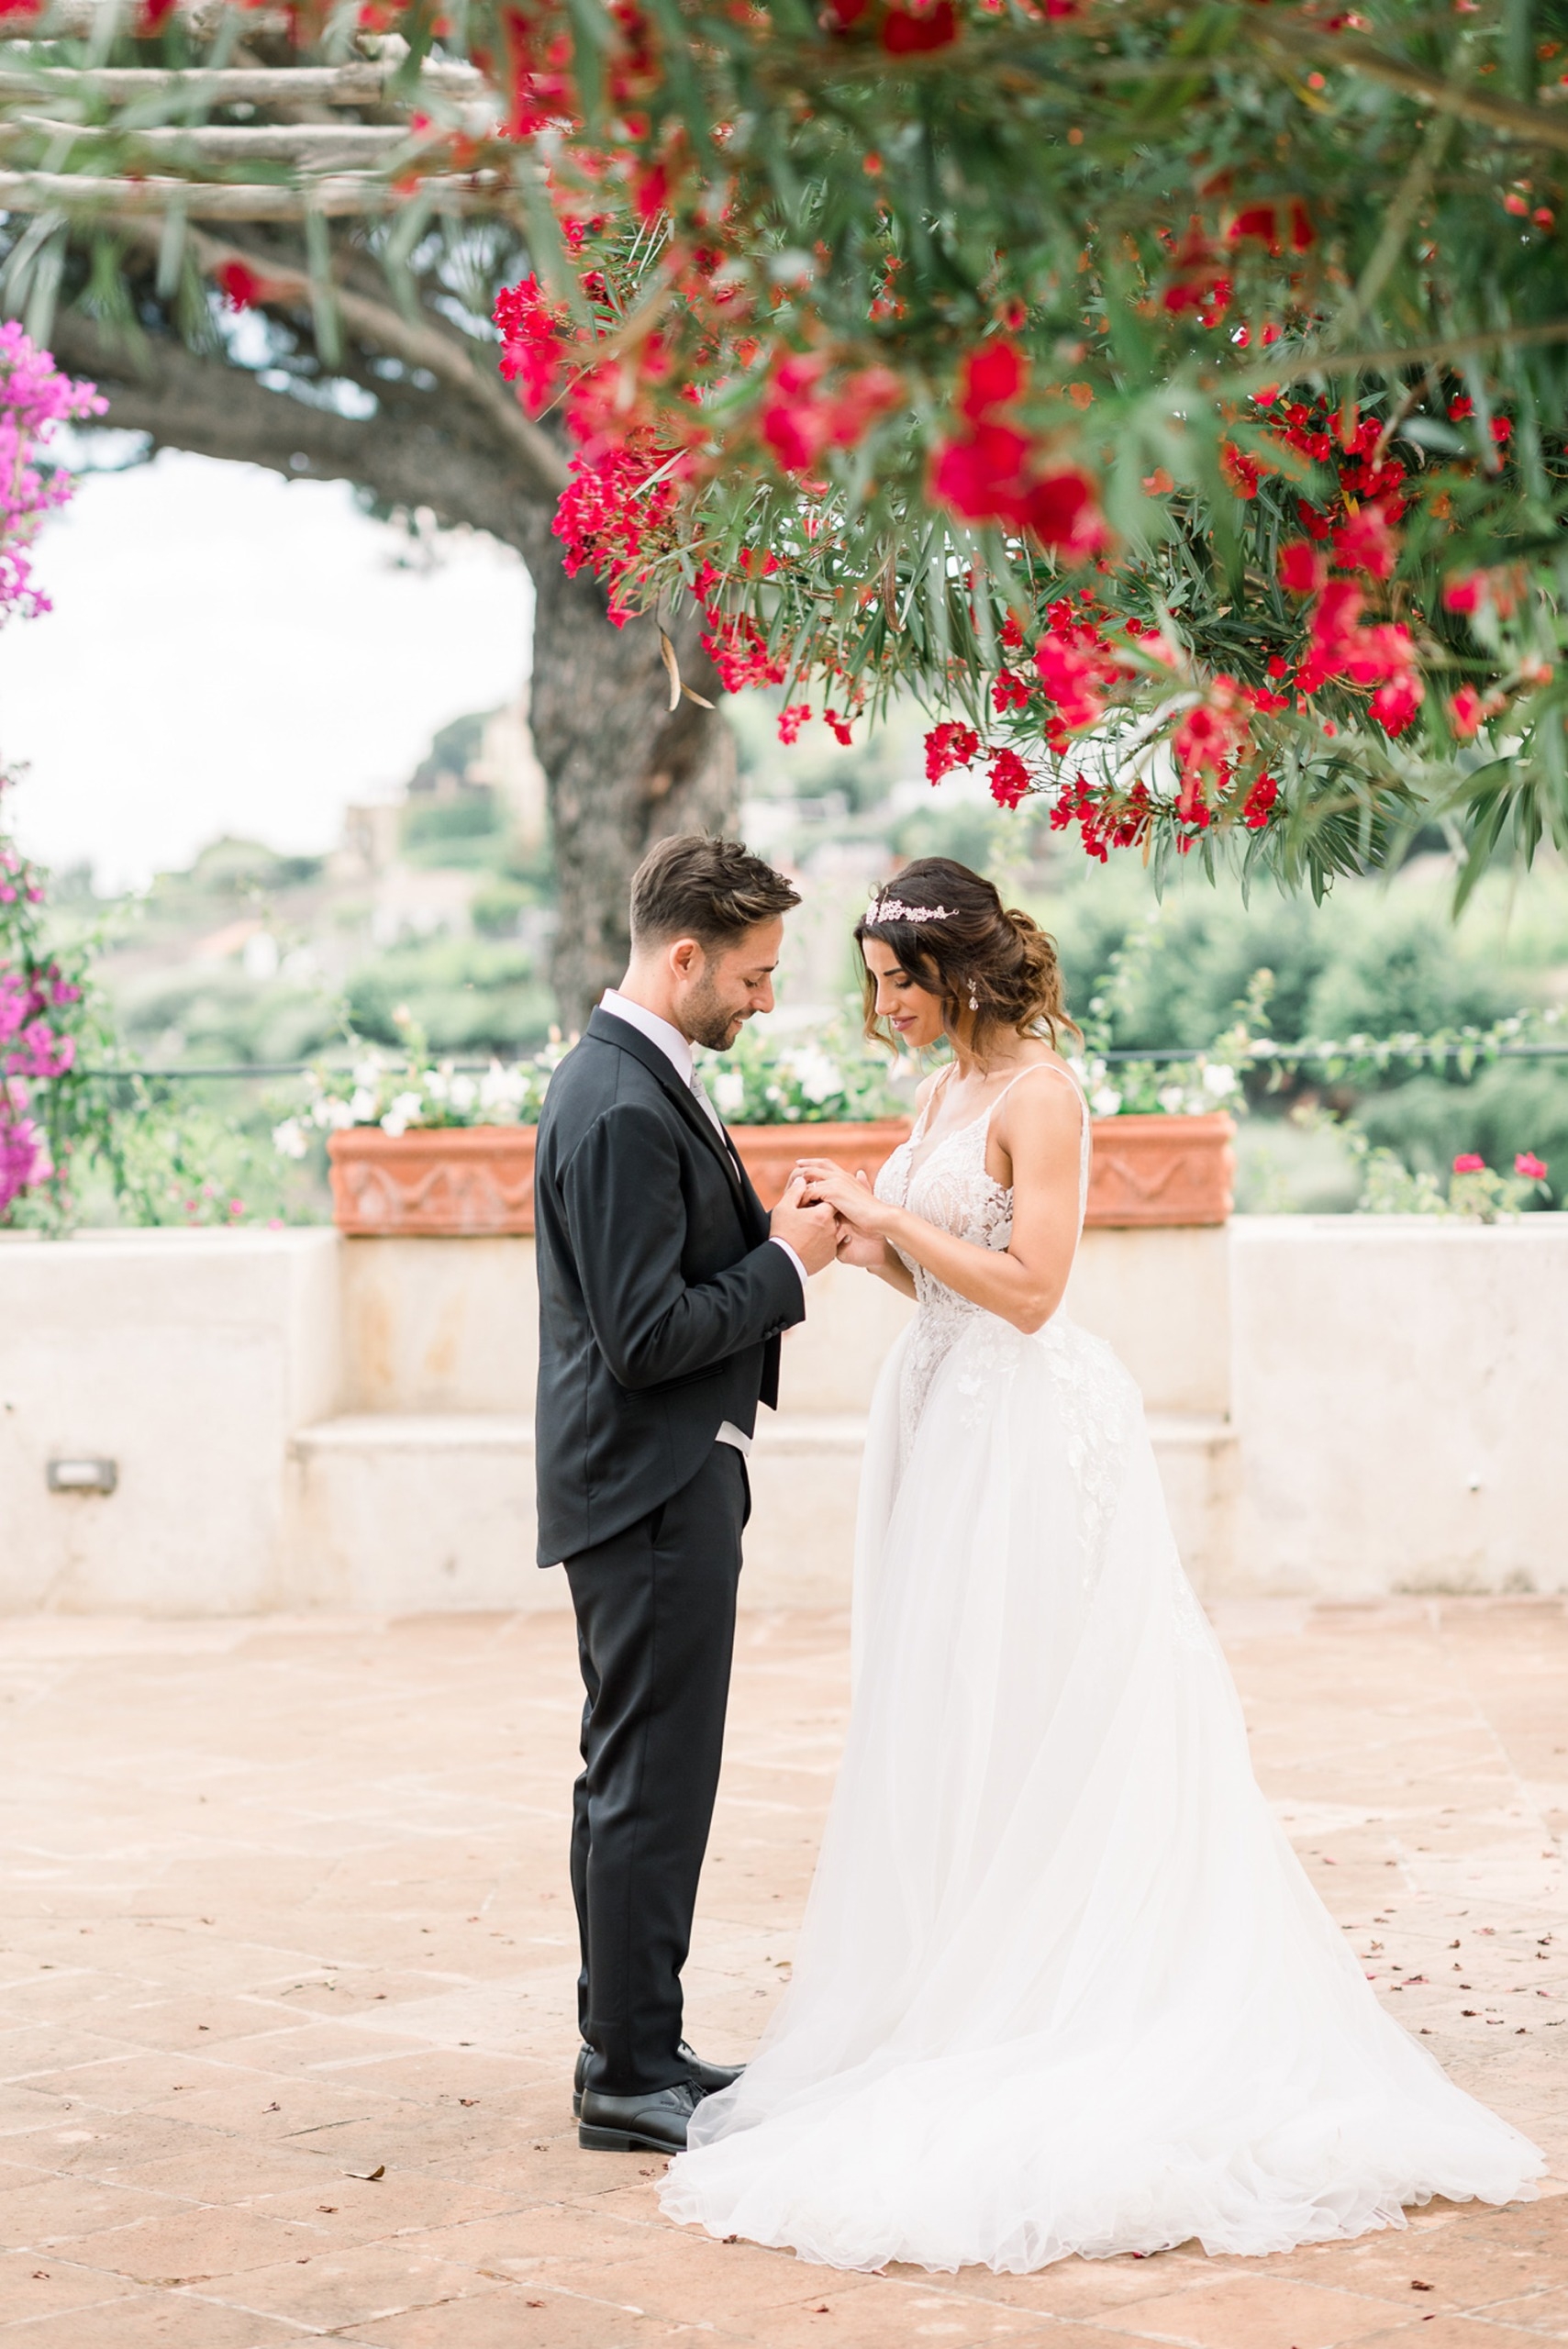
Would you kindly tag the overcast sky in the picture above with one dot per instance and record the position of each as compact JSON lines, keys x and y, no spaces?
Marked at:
{"x":232,"y":653}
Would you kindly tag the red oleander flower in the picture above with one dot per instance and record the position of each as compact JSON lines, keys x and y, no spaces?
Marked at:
{"x":1260,"y":803}
{"x":798,"y":425}
{"x":992,"y":472}
{"x":1364,"y":543}
{"x":1302,"y":570}
{"x":1469,"y":1162}
{"x":242,"y":286}
{"x":1008,"y":777}
{"x":1532,"y":1168}
{"x":948,"y":746}
{"x":1466,"y":712}
{"x":533,"y":341}
{"x":913,"y":32}
{"x":1467,"y":592}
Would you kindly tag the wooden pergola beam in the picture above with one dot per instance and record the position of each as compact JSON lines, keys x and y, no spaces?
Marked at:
{"x":360,"y":84}
{"x":334,"y":195}
{"x":304,"y":142}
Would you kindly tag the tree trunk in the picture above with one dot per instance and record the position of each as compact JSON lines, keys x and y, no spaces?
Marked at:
{"x":622,"y":768}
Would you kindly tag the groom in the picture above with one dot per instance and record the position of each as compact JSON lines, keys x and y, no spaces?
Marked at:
{"x":664,"y":1286}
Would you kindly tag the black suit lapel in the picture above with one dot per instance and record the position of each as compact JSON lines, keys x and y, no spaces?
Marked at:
{"x":604,"y":1028}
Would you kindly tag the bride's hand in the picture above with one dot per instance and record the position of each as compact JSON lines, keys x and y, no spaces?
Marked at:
{"x":853,"y":1200}
{"x":862,"y":1248}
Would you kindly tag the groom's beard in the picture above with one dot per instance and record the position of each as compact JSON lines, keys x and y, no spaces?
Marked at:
{"x":709,"y":1020}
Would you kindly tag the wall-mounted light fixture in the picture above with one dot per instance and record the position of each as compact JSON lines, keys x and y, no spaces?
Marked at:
{"x":83,"y":1476}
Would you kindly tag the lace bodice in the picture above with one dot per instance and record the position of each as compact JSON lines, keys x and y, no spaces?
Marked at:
{"x":949,"y":1186}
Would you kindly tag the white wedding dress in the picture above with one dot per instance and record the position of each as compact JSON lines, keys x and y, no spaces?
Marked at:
{"x":1062,"y":1985}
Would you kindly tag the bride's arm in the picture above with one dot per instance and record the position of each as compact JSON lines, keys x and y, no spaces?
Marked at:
{"x":1039,"y":1126}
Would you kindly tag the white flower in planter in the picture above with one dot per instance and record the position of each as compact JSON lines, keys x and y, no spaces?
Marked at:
{"x":1173,"y":1100}
{"x":462,"y":1092}
{"x":502,"y":1088}
{"x":290,"y":1139}
{"x":1218,"y":1080}
{"x":819,"y":1078}
{"x":361,"y":1107}
{"x":405,"y":1111}
{"x":730,"y":1092}
{"x":1104,"y":1102}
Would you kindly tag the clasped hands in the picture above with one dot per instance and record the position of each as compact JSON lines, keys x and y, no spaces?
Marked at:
{"x":826,"y":1213}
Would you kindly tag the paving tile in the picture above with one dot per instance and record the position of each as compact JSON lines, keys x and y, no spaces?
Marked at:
{"x":1545,"y":2312}
{"x":192,"y":2245}
{"x":154,"y":2320}
{"x":505,"y":2317}
{"x":1242,"y":2309}
{"x":33,"y":2284}
{"x":1453,"y":2332}
{"x":57,"y":2209}
{"x":332,"y":2289}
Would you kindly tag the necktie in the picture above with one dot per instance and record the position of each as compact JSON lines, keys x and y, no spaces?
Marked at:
{"x":715,"y":1120}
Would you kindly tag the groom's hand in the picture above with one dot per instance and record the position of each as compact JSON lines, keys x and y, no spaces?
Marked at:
{"x":812,"y":1232}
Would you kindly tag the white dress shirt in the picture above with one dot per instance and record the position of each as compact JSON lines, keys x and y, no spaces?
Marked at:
{"x":677,"y":1051}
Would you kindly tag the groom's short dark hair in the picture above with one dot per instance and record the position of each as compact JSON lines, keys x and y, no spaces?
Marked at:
{"x":714,"y":891}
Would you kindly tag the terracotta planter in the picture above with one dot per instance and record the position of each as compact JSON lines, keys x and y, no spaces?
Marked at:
{"x":447,"y":1182}
{"x":1162,"y":1169}
{"x":768,"y":1151}
{"x":434,"y":1183}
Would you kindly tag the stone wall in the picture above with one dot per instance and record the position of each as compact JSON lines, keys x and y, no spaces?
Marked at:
{"x":1341,"y":1406}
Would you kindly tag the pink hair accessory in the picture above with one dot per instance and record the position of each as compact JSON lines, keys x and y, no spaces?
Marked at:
{"x":891,"y":910}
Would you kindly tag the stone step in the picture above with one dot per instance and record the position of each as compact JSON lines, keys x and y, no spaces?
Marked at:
{"x":403,"y":1513}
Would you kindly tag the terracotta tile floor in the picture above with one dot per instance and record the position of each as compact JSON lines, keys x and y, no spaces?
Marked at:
{"x":286,"y":2004}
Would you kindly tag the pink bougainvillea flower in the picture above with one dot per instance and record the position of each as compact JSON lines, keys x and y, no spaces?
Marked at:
{"x":1532,"y":1168}
{"x":1469,"y":1162}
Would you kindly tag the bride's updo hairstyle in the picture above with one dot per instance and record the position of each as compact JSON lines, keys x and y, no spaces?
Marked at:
{"x":954,"y":937}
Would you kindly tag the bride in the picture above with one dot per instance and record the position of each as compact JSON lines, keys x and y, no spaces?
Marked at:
{"x":1062,"y":1985}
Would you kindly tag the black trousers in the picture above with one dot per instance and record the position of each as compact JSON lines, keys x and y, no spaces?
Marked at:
{"x":655,"y":1638}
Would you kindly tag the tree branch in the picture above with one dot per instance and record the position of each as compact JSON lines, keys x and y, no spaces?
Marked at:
{"x":1356,"y":56}
{"x":408,"y":455}
{"x":418,"y":343}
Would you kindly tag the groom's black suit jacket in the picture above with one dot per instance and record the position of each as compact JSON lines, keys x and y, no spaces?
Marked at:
{"x":661,"y":1299}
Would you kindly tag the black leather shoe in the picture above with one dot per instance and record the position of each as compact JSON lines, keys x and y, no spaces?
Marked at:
{"x":654,"y":2123}
{"x":709,"y":2077}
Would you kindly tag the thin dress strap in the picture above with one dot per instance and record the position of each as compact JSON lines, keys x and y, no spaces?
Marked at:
{"x":1053,"y":1068}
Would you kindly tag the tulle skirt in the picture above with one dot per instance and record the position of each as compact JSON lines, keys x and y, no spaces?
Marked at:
{"x":1062,"y":1985}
